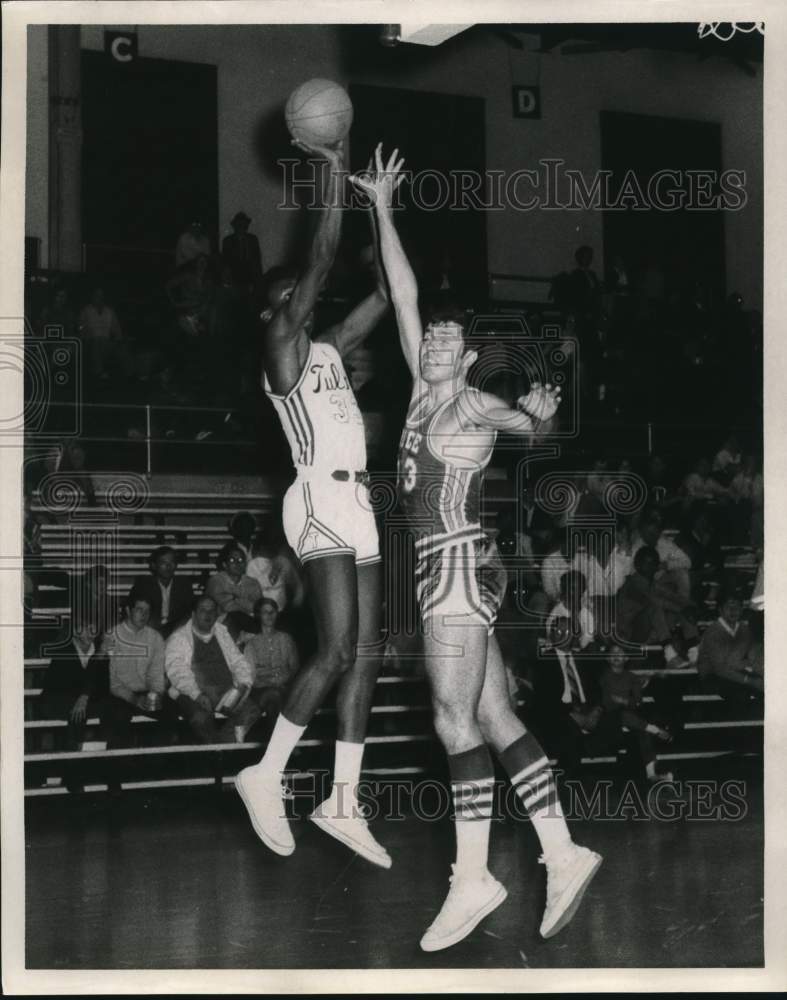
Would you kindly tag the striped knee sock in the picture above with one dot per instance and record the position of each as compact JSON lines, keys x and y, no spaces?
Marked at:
{"x":472,"y":788}
{"x":528,"y":768}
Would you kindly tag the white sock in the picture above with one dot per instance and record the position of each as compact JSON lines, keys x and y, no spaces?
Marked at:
{"x":472,"y":846}
{"x":670,"y":653}
{"x":347,"y":771}
{"x":551,"y":828}
{"x":283,"y":739}
{"x":650,"y":768}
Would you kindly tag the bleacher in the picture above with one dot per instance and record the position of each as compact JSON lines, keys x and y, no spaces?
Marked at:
{"x":401,"y":738}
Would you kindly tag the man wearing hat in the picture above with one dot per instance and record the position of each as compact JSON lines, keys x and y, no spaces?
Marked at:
{"x":240,"y":253}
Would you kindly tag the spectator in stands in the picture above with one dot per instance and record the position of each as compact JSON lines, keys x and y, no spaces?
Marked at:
{"x":699,"y":484}
{"x":657,"y":478}
{"x":274,"y":658}
{"x":647,"y":614}
{"x":192,"y":243}
{"x":276,"y":571}
{"x":565,"y":710}
{"x":724,"y":662}
{"x":137,"y":682}
{"x":243,"y":528}
{"x":240,"y":252}
{"x":170,"y":596}
{"x":728,"y":460}
{"x":191,"y":291}
{"x":698,"y":541}
{"x":208,"y":673}
{"x":58,"y":313}
{"x":555,"y":564}
{"x":94,"y":601}
{"x":591,"y":503}
{"x":621,"y":559}
{"x":234,"y":592}
{"x":621,"y":698}
{"x":100,"y":332}
{"x":674,"y":563}
{"x":76,"y":684}
{"x":573,"y":606}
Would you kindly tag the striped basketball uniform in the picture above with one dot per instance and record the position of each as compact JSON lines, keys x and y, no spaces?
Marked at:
{"x":457,"y":567}
{"x":324,"y":515}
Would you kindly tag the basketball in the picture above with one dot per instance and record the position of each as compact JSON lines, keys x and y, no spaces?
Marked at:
{"x":319,"y":113}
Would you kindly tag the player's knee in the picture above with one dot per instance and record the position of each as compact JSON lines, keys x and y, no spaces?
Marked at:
{"x":340,"y":654}
{"x":452,"y":721}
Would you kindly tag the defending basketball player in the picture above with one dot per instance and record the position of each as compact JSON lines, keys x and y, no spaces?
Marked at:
{"x":446,"y":445}
{"x":329,"y":523}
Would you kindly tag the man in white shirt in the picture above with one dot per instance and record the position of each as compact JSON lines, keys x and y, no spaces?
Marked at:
{"x":208,"y":673}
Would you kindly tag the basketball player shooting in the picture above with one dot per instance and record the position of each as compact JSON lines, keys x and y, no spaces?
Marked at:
{"x":447,"y":443}
{"x":329,"y":523}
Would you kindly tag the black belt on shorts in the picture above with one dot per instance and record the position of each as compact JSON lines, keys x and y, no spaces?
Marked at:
{"x":344,"y":476}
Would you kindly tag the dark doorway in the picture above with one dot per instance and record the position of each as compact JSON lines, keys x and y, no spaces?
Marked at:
{"x":686,"y":246}
{"x":149,"y":160}
{"x":442,"y":134}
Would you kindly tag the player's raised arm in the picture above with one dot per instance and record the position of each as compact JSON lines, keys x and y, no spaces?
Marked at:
{"x":357,"y":326}
{"x":381,"y":186}
{"x":287,"y":323}
{"x":533,"y":413}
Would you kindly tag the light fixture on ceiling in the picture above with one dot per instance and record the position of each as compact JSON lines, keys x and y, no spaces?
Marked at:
{"x":390,"y":35}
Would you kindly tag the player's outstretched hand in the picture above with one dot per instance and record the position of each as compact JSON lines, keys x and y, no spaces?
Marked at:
{"x":379,"y":181}
{"x":333,"y":154}
{"x":541,"y":402}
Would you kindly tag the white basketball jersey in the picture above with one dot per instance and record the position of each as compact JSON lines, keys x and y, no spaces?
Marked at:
{"x":320,"y":416}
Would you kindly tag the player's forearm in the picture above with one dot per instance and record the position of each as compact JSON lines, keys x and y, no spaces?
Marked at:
{"x":379,"y":272}
{"x":404,"y":288}
{"x":326,"y":236}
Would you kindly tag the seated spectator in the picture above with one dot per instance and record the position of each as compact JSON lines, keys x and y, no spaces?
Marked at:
{"x":170,"y":596}
{"x":274,"y":658}
{"x":621,"y":697}
{"x":208,"y":673}
{"x":699,"y":543}
{"x":277,"y":573}
{"x":699,"y":484}
{"x":573,"y":606}
{"x":724,"y":662}
{"x":234,"y":592}
{"x":100,"y":332}
{"x":649,"y":614}
{"x":243,"y":528}
{"x":728,"y":460}
{"x":191,"y":292}
{"x":94,"y":603}
{"x":565,"y":707}
{"x":192,"y":243}
{"x":555,"y":564}
{"x":137,"y":682}
{"x":76,"y":683}
{"x":58,"y":313}
{"x":674,"y":564}
{"x":591,"y":503}
{"x":621,"y":559}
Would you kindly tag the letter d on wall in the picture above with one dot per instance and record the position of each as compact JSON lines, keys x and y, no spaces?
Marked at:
{"x":121,"y":46}
{"x":527,"y":102}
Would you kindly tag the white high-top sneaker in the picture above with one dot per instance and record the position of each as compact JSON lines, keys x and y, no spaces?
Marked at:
{"x":263,"y":796}
{"x":469,"y":900}
{"x":568,"y":875}
{"x":347,"y":823}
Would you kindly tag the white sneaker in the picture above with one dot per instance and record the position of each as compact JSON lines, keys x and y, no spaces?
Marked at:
{"x":568,"y":875}
{"x":469,"y":900}
{"x":349,"y":827}
{"x":264,"y":797}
